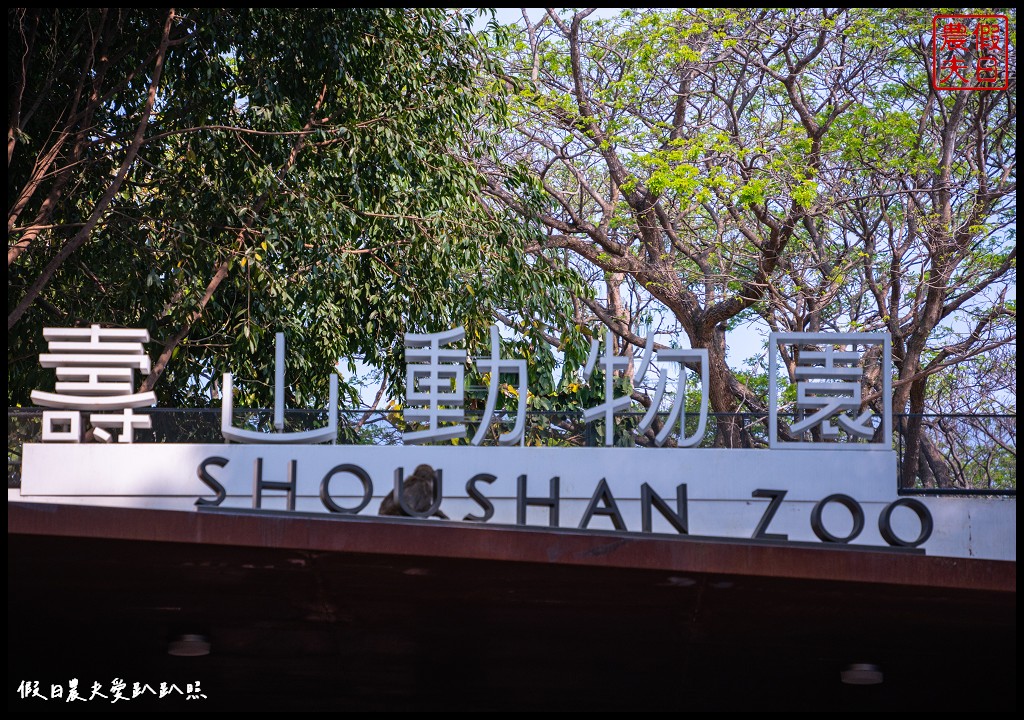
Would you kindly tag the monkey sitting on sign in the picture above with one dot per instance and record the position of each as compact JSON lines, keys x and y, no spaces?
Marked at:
{"x":418,"y":493}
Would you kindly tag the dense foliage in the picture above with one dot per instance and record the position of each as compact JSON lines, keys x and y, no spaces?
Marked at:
{"x":792,"y":170}
{"x":219,"y":175}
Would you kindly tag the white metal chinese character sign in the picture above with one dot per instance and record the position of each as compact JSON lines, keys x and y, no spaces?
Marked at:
{"x":95,"y":371}
{"x":677,"y":414}
{"x":610,"y":362}
{"x":434,"y":378}
{"x":495,"y":365}
{"x":830,"y":371}
{"x":329,"y":433}
{"x":435,"y":382}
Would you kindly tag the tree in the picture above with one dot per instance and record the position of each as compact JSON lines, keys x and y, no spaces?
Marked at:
{"x":969,"y":426}
{"x":217,"y":175}
{"x":935,"y":222}
{"x":791,"y":168}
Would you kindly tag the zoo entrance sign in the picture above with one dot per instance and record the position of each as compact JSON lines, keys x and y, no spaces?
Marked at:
{"x":830,"y":476}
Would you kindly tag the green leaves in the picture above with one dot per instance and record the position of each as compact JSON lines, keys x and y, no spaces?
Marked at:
{"x":318,"y":156}
{"x":753,"y":193}
{"x":788,"y":168}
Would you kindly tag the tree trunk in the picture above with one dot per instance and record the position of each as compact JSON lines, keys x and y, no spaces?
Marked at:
{"x":728,"y":428}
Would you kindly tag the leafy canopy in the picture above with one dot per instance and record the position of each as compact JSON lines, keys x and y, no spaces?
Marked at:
{"x":298,"y":170}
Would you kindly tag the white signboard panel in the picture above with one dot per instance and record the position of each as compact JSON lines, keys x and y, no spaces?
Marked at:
{"x":797,"y":491}
{"x":727,"y":492}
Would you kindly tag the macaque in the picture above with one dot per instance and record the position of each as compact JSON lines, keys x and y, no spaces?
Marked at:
{"x":417,"y":491}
